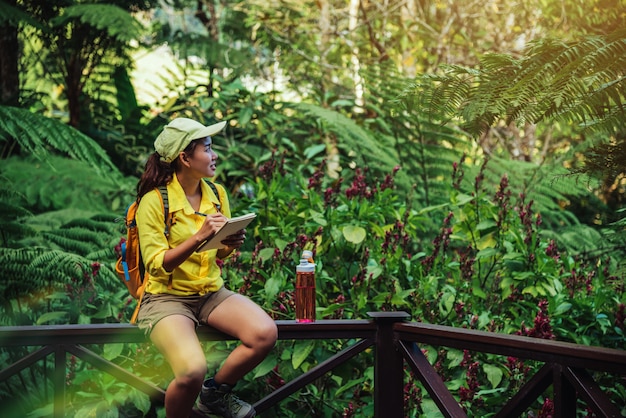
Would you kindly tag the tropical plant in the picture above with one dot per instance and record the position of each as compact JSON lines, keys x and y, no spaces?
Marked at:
{"x":489,"y":267}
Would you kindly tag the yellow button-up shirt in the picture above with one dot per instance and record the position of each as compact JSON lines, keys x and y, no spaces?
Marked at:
{"x":199,"y":274}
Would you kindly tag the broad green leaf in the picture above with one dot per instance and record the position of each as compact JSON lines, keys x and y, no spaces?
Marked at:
{"x":347,"y":386}
{"x":266,"y":366}
{"x":301,"y":351}
{"x":462,"y":199}
{"x":446,"y":302}
{"x":483,"y":319}
{"x":51,"y":317}
{"x":272,"y":287}
{"x":430,"y":409}
{"x":477,"y":291}
{"x":318,"y":218}
{"x":431,"y":353}
{"x":485,"y":247}
{"x":454,"y":357}
{"x":354,"y":234}
{"x":494,"y":374}
{"x":44,"y":411}
{"x":141,"y":401}
{"x":486,"y":243}
{"x":111,"y":351}
{"x":266,"y":254}
{"x":485,"y":225}
{"x":313,"y":150}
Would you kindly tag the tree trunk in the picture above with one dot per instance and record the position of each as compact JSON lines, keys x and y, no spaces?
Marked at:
{"x":9,"y":74}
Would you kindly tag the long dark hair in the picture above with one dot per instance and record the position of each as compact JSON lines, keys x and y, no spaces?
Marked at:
{"x":159,"y":173}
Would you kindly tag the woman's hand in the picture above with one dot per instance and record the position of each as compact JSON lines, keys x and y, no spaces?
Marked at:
{"x":235,"y":240}
{"x":231,"y":242}
{"x":212,"y":224}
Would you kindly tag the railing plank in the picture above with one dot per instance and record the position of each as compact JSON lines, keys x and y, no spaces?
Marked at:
{"x":547,"y":351}
{"x":25,"y":362}
{"x":312,"y":374}
{"x":326,"y":329}
{"x":528,"y":393}
{"x":388,"y":372}
{"x":155,"y":393}
{"x":432,"y":382}
{"x":59,"y":381}
{"x":564,"y":394}
{"x":588,"y":390}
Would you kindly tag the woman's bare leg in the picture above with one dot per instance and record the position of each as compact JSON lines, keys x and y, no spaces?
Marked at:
{"x":175,"y":337}
{"x":245,"y":320}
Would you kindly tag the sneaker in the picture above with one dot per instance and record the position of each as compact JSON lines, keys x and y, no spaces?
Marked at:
{"x":221,"y":401}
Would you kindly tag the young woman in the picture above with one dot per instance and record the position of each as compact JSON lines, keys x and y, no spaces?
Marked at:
{"x":185,"y":287}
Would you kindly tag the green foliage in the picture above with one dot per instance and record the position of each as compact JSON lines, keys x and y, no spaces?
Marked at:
{"x":35,"y":135}
{"x":63,"y":184}
{"x":489,"y":247}
{"x":489,"y":266}
{"x":353,"y":136}
{"x":117,"y":22}
{"x":579,"y":81}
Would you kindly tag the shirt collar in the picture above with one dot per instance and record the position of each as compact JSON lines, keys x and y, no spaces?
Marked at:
{"x":178,"y":199}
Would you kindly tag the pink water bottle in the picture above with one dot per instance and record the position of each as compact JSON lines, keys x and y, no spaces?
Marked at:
{"x":305,"y":288}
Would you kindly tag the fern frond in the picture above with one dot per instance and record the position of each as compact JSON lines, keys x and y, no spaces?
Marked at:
{"x":118,"y":23}
{"x":74,"y":240}
{"x":16,"y":272}
{"x":59,"y":266}
{"x":550,"y":188}
{"x":578,"y":239}
{"x":37,"y":134}
{"x":12,"y":17}
{"x":65,"y":184}
{"x":352,"y":136}
{"x":579,"y":81}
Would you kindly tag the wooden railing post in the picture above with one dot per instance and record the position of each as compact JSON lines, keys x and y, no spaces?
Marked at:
{"x":564,"y":394}
{"x":388,"y":367}
{"x":59,"y":380}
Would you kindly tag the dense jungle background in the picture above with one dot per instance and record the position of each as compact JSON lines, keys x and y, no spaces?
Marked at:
{"x":462,"y":161}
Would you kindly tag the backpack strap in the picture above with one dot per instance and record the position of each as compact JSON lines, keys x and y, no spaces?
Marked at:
{"x":166,"y":209}
{"x":214,"y":188}
{"x":167,"y":219}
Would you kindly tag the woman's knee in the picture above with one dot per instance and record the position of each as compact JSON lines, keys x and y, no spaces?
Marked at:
{"x":265,"y":335}
{"x":192,"y":374}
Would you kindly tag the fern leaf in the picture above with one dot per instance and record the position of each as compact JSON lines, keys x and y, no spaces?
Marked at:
{"x":118,"y":23}
{"x":353,"y":136}
{"x":37,"y":134}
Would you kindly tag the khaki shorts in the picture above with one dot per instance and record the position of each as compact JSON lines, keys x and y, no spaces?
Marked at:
{"x":155,"y":307}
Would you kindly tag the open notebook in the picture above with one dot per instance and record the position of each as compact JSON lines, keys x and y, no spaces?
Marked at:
{"x":230,"y":227}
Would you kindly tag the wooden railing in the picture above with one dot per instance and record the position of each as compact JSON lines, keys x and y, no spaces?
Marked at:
{"x":395,"y":341}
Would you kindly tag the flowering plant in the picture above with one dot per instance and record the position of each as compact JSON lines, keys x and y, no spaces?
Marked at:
{"x":481,"y":261}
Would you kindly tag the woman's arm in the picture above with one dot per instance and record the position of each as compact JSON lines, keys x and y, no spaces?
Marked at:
{"x":174,"y":257}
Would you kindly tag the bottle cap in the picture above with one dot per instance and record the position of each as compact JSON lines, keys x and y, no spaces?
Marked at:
{"x":305,"y":266}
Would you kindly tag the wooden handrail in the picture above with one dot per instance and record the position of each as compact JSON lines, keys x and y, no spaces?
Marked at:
{"x":574,"y":355}
{"x":395,"y":341}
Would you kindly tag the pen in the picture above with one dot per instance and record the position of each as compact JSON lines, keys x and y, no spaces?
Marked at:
{"x":200,"y":213}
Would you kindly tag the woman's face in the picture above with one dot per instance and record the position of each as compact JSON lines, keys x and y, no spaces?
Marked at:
{"x":202,"y":159}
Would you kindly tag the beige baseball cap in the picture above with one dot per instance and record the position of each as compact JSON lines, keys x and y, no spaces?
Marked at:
{"x":179,"y":133}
